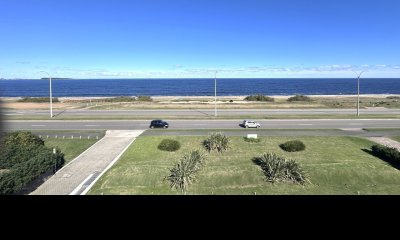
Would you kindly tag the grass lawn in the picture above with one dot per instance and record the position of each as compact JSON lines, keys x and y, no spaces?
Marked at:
{"x":71,"y":148}
{"x":336,"y":165}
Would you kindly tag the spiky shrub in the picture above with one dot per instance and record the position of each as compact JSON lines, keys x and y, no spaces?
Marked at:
{"x":293,"y":146}
{"x":299,"y":98}
{"x":169,"y":145}
{"x":184,"y":172}
{"x":294,"y":172}
{"x":216,"y":142}
{"x":276,"y":169}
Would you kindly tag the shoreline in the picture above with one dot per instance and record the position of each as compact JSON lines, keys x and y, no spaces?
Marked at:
{"x":219,"y":97}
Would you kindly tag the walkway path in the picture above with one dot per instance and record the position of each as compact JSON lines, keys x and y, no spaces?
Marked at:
{"x":386,"y":142}
{"x":80,"y":173}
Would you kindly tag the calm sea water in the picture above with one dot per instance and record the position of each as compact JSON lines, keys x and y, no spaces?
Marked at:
{"x":195,"y":87}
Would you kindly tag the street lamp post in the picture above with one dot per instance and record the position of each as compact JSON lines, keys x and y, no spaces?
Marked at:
{"x":358,"y":93}
{"x":51,"y":97}
{"x":215,"y":94}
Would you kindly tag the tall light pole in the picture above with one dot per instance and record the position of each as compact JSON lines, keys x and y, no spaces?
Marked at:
{"x":51,"y":96}
{"x":358,"y":92}
{"x":215,"y":94}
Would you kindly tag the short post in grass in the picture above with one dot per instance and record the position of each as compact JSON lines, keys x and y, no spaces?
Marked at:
{"x":55,"y":160}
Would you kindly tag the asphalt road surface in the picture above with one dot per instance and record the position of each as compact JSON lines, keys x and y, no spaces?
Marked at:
{"x":200,"y":124}
{"x":201,"y":112}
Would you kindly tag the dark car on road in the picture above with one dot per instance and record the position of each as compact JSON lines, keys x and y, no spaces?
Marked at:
{"x":158,"y":124}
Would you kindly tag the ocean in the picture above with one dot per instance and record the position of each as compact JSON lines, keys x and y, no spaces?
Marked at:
{"x":196,"y":87}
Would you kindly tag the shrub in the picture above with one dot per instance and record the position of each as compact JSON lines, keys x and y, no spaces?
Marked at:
{"x":299,"y":98}
{"x":38,"y":99}
{"x":252,"y":140}
{"x":169,"y":145}
{"x":260,"y":98}
{"x":216,"y":142}
{"x":231,"y":101}
{"x":293,"y":146}
{"x":277,"y":169}
{"x":120,"y":99}
{"x":144,"y":99}
{"x":184,"y":172}
{"x":386,"y":153}
{"x":393,"y":97}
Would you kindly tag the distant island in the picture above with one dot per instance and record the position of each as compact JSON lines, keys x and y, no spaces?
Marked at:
{"x":45,"y":78}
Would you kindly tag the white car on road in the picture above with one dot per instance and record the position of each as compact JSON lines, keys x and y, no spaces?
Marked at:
{"x":250,"y":124}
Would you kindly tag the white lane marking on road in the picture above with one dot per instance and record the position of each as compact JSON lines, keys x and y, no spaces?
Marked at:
{"x":92,"y":125}
{"x":38,"y":125}
{"x":305,"y":124}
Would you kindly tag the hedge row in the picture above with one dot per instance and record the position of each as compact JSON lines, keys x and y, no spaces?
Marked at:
{"x":37,"y":99}
{"x":386,"y":153}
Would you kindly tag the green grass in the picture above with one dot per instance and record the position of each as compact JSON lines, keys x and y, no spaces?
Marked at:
{"x":71,"y":148}
{"x":381,"y":129}
{"x":336,"y":165}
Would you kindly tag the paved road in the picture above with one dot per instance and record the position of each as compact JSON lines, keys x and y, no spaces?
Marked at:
{"x":82,"y":171}
{"x":285,"y":133}
{"x":201,"y":112}
{"x":199,"y":124}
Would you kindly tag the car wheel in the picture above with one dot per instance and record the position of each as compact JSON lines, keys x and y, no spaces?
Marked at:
{"x":165,"y":127}
{"x":258,"y":126}
{"x":246,"y":126}
{"x":151,"y":126}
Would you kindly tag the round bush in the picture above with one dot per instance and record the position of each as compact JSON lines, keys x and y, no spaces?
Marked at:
{"x":252,"y":140}
{"x":293,"y":146}
{"x":299,"y":98}
{"x":169,"y":145}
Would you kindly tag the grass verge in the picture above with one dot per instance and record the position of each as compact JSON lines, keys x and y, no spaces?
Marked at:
{"x":336,"y":165}
{"x":71,"y":148}
{"x":170,"y":117}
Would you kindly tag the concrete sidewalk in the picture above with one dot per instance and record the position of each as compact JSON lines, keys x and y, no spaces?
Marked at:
{"x":386,"y":142}
{"x":80,"y":172}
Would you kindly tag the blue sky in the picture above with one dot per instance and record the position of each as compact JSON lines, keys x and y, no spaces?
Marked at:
{"x":177,"y":38}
